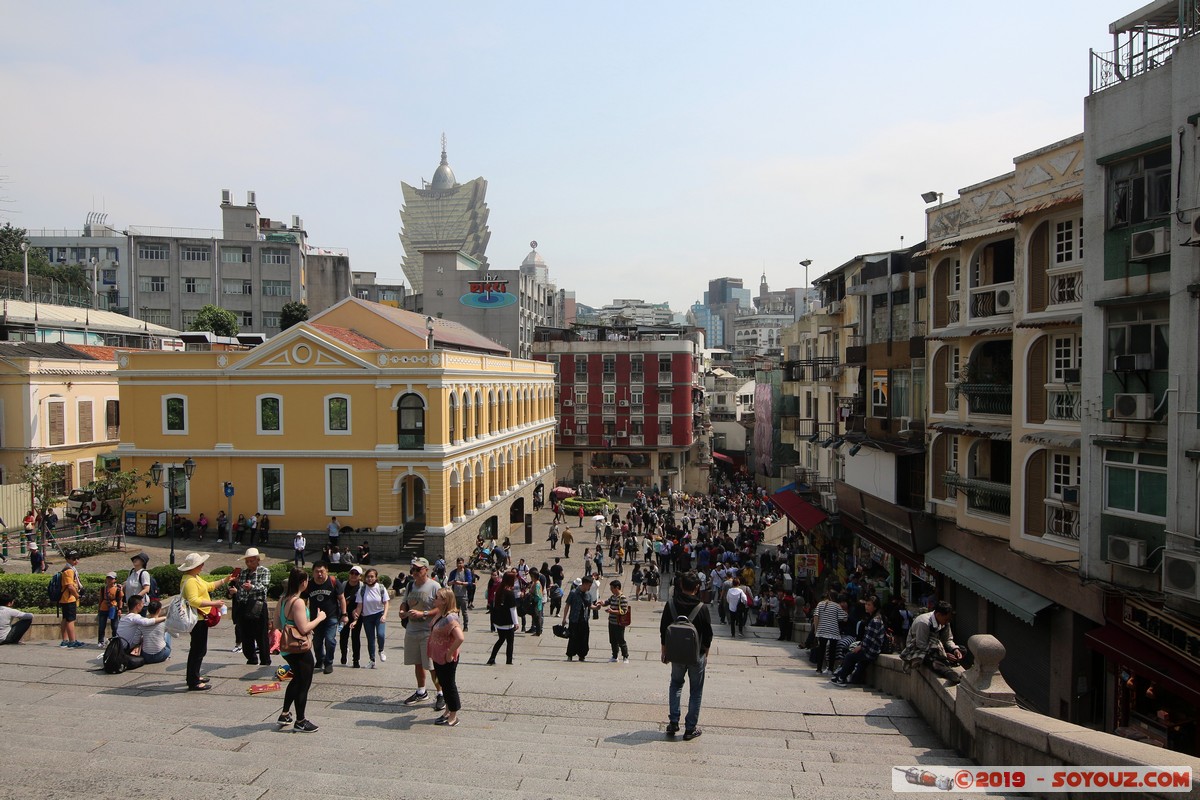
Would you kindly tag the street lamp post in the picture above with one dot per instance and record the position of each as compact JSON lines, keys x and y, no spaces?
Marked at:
{"x":25,"y":258}
{"x":95,"y":282}
{"x":156,"y":474}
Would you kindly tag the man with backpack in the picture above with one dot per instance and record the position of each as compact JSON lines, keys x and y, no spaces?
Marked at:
{"x":686,"y":634}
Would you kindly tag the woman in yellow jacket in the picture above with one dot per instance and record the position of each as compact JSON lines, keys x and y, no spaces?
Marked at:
{"x":195,"y":591}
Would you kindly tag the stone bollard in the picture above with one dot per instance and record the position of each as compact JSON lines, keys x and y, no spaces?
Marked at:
{"x":982,"y":685}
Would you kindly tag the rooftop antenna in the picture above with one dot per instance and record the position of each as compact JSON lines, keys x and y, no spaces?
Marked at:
{"x":444,"y":147}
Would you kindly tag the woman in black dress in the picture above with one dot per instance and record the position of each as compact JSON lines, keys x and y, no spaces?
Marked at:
{"x":504,"y":617}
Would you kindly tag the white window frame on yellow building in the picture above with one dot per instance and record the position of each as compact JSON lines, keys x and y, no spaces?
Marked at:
{"x":261,"y":505}
{"x":330,"y":430}
{"x":258,"y":414}
{"x":329,"y":509}
{"x":165,"y":399}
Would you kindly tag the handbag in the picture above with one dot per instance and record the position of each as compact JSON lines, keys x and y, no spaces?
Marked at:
{"x":181,"y":617}
{"x":293,"y":641}
{"x":625,"y":618}
{"x":561,"y":631}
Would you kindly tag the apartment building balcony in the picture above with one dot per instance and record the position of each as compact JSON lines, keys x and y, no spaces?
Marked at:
{"x":987,"y":398}
{"x":665,"y":379}
{"x":1062,"y":521}
{"x":609,"y":409}
{"x":1065,"y":287}
{"x":990,"y":497}
{"x":811,"y":429}
{"x":665,"y":409}
{"x":993,"y":300}
{"x":665,"y":440}
{"x":636,"y":440}
{"x":856,"y":351}
{"x":1062,"y":405}
{"x":608,"y":377}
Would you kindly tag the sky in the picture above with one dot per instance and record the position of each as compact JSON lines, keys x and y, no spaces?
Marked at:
{"x":647,"y":147}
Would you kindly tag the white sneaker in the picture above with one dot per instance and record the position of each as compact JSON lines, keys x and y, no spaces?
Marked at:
{"x":101,"y":644}
{"x":371,"y":665}
{"x":612,"y":660}
{"x":382,"y":656}
{"x":625,"y":661}
{"x":237,"y":648}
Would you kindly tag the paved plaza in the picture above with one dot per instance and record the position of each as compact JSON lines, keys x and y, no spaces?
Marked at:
{"x":541,"y":728}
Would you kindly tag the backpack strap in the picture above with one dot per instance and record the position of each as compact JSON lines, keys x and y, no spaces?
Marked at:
{"x":691,"y":617}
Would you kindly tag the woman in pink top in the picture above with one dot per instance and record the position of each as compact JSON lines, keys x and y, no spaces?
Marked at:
{"x":445,"y":638}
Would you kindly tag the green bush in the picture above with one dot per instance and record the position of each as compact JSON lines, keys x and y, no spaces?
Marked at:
{"x":590,"y":507}
{"x":168,"y":577}
{"x":29,"y":591}
{"x":222,"y":571}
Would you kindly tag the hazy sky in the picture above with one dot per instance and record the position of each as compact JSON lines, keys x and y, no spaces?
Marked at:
{"x":647,"y":147}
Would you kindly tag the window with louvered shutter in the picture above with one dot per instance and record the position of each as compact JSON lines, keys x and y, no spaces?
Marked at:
{"x":941,"y":295}
{"x":1035,"y":384}
{"x":1039,"y":257}
{"x":937,"y":388}
{"x":85,"y":425}
{"x":112,"y":419}
{"x":87,"y":472}
{"x":1035,"y":494}
{"x":57,"y":423}
{"x":941,"y":461}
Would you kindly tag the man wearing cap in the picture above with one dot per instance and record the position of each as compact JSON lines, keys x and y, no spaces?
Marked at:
{"x":138,"y":581}
{"x":576,"y":616}
{"x":195,"y":592}
{"x":418,"y":609}
{"x":461,"y":580}
{"x":298,"y":545}
{"x":37,"y":561}
{"x":350,"y":592}
{"x":249,"y":596}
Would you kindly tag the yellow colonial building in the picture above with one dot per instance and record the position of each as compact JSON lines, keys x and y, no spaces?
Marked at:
{"x":418,"y":429}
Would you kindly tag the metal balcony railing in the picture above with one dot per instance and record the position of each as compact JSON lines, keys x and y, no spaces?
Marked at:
{"x":989,"y":301}
{"x":1062,"y":521}
{"x":988,"y":398}
{"x":635,"y":440}
{"x":1062,"y":405}
{"x":987,"y":496}
{"x":1066,"y":287}
{"x":953,"y":311}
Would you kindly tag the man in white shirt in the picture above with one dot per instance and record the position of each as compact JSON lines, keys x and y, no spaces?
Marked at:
{"x":334,"y":530}
{"x":133,"y":627}
{"x":298,"y":545}
{"x":13,"y":623}
{"x":737,"y":602}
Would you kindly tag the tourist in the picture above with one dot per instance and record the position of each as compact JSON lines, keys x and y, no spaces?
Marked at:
{"x":931,"y":644}
{"x":504,"y":617}
{"x":445,"y":638}
{"x":14,"y":624}
{"x":294,"y":611}
{"x":298,"y":545}
{"x":250,"y":600}
{"x":860,"y":657}
{"x":68,"y":601}
{"x":138,"y":581}
{"x":685,"y":602}
{"x":576,"y":618}
{"x":827,"y":621}
{"x":461,"y":580}
{"x":372,"y":609}
{"x":350,"y":592}
{"x":619,"y":616}
{"x":195,"y":591}
{"x":156,"y":641}
{"x":323,"y":594}
{"x":109,"y":613}
{"x":418,"y":610}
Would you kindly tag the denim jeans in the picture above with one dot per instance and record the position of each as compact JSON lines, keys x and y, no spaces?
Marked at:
{"x":374,"y":627}
{"x":160,"y":656}
{"x":325,"y":642}
{"x":695,"y":678}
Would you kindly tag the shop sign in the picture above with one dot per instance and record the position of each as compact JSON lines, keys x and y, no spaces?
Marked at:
{"x":491,"y":292}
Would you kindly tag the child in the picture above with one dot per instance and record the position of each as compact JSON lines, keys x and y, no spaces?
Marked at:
{"x":618,"y":617}
{"x":111,"y":599}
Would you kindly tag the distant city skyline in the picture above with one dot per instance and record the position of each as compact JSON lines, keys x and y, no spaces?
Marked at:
{"x":646,"y":152}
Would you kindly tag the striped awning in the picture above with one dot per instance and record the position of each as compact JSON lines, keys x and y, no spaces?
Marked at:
{"x":958,"y":239}
{"x":963,"y":331}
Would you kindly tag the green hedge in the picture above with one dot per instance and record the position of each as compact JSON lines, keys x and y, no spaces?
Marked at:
{"x":29,"y":591}
{"x":590,"y":507}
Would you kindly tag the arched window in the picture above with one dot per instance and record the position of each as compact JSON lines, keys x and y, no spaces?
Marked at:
{"x":410,"y":414}
{"x":270,"y":414}
{"x":478,"y":413}
{"x":452,"y":413}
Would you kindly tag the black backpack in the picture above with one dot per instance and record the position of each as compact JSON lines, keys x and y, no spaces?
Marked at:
{"x":116,"y":656}
{"x":683,"y":639}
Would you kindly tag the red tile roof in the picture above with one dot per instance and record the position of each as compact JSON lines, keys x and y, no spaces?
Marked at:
{"x":95,"y":351}
{"x":352,"y":338}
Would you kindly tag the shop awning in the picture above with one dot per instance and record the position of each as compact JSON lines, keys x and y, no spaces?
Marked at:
{"x":997,"y":589}
{"x":1057,"y":321}
{"x":804,"y":514}
{"x":997,"y":432}
{"x":1067,"y":441}
{"x":1127,"y":649}
{"x":963,"y":331}
{"x":722,"y":457}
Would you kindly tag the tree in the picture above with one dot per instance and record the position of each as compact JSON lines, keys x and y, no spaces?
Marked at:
{"x":220,"y":321}
{"x":11,"y":257}
{"x":47,"y":483}
{"x":125,"y":487}
{"x":291,"y":313}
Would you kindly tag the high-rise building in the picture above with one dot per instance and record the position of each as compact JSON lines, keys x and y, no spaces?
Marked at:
{"x":443,"y":215}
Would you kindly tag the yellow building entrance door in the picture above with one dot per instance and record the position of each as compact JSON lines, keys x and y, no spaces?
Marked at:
{"x":412,"y":502}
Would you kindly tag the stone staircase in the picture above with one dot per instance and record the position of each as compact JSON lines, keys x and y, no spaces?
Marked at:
{"x":542,"y":728}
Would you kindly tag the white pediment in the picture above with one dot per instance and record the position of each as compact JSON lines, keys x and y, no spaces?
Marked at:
{"x":305,"y":350}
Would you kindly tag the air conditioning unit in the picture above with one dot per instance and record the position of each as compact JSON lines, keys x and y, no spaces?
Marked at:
{"x":568,"y":432}
{"x":829,"y":502}
{"x":1004,"y":300}
{"x":1070,"y":494}
{"x":1070,"y":376}
{"x":1133,"y":362}
{"x":568,"y":403}
{"x":1133,"y":407}
{"x":1126,"y":551}
{"x":623,"y":403}
{"x":1181,"y":574}
{"x":622,"y":434}
{"x":835,"y":307}
{"x":1148,"y":244}
{"x":906,"y":427}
